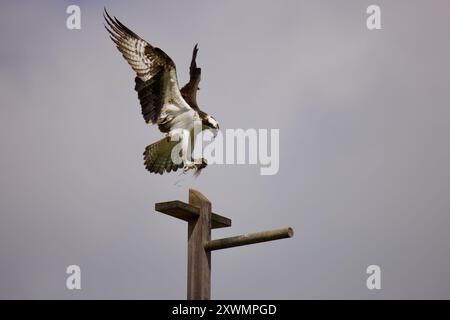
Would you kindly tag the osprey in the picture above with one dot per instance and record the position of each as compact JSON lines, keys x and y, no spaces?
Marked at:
{"x":175,"y":111}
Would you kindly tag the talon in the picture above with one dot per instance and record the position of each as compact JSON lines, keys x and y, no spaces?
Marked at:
{"x":202,"y":164}
{"x":188,"y":166}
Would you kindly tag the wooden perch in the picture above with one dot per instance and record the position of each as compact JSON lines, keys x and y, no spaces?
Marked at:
{"x":250,"y":238}
{"x":200,"y":221}
{"x":181,"y":210}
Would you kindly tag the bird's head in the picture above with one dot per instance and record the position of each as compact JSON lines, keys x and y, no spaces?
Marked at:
{"x":211,"y":123}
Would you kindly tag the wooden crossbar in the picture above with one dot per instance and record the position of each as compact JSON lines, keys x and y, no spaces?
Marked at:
{"x":200,"y":221}
{"x":250,"y":238}
{"x":184,"y":211}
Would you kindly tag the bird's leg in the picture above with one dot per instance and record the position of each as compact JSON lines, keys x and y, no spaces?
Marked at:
{"x":200,"y":162}
{"x":178,"y":135}
{"x":188,"y":166}
{"x":186,"y":152}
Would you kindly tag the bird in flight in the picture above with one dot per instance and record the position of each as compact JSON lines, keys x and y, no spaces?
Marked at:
{"x":175,"y":111}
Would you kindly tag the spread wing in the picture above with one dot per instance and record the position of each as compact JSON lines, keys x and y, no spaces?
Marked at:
{"x":189,"y":91}
{"x":156,"y":81}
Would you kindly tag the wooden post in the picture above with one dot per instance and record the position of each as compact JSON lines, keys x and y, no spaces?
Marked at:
{"x":199,"y":259}
{"x":200,"y":221}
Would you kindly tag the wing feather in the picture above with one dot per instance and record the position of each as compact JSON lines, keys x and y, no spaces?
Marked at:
{"x":189,"y":91}
{"x":156,"y":82}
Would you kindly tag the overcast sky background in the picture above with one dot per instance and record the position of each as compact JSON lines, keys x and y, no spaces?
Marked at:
{"x":364,"y":119}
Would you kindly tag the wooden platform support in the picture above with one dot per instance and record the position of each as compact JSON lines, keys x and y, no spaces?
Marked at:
{"x":200,"y":221}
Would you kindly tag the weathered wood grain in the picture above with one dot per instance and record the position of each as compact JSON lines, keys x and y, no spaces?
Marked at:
{"x":250,"y":238}
{"x":200,"y":222}
{"x":181,"y":210}
{"x":199,"y":259}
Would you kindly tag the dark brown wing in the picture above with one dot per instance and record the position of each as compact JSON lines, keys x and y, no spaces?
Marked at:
{"x":189,"y":91}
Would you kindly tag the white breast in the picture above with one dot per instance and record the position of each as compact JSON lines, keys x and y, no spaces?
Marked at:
{"x":184,"y":120}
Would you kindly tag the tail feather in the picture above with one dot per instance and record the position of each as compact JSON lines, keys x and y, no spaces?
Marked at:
{"x":157,"y":156}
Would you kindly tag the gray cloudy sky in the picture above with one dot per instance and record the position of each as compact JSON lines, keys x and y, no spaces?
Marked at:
{"x":364,"y":121}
